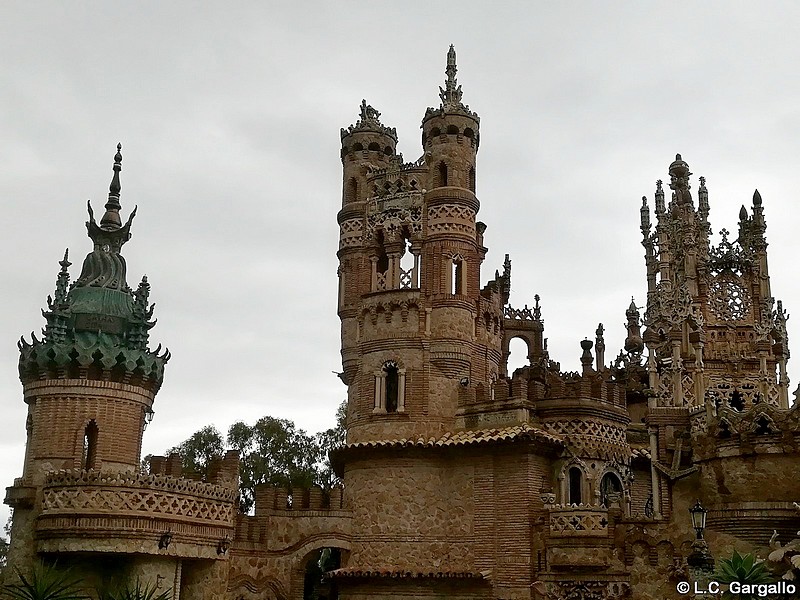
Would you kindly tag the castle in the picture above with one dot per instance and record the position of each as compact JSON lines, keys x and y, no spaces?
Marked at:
{"x":461,"y":480}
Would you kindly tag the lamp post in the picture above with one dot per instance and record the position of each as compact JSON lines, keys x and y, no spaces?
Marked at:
{"x":700,"y":560}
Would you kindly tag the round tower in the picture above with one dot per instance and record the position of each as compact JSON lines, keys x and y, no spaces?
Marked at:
{"x":453,"y":248}
{"x":90,"y":382}
{"x":410,"y":253}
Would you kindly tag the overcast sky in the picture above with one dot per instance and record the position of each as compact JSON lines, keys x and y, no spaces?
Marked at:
{"x":229,"y":116}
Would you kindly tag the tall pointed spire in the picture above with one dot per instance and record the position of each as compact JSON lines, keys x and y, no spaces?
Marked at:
{"x":111,"y":218}
{"x":451,"y":93}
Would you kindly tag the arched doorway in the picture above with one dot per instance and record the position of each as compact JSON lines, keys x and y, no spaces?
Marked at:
{"x":319,"y":562}
{"x":610,"y":489}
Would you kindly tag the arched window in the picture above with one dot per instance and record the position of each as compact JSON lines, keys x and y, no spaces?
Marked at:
{"x":575,"y":485}
{"x":452,"y":130}
{"x":374,"y":147}
{"x":610,"y":489}
{"x":472,"y":179}
{"x":390,"y":386}
{"x":89,"y":458}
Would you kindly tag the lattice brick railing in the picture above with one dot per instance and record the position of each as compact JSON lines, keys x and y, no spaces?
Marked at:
{"x":90,"y":492}
{"x":578,"y":521}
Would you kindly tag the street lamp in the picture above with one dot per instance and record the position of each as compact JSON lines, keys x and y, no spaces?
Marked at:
{"x":149,"y":413}
{"x":698,"y":519}
{"x":700,"y":560}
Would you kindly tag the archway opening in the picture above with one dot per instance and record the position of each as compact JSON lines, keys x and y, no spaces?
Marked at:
{"x":518,"y":355}
{"x":315,"y":585}
{"x":610,"y":489}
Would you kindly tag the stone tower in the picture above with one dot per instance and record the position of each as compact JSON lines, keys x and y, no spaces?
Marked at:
{"x":90,"y":382}
{"x":410,"y":254}
{"x":716,"y":344}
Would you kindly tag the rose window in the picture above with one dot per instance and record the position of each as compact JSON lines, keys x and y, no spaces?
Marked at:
{"x":729,"y":299}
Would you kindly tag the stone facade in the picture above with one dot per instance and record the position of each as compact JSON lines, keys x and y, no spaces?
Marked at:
{"x":462,"y":480}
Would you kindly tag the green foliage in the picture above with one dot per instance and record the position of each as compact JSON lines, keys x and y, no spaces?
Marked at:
{"x":744,"y":569}
{"x":137,"y":591}
{"x":329,"y":440}
{"x":272,"y":451}
{"x":199,"y":449}
{"x":45,"y":582}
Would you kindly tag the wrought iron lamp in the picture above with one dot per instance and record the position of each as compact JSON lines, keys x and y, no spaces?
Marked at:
{"x":700,"y":559}
{"x":698,"y":514}
{"x":165,"y":540}
{"x":224,"y":545}
{"x":149,"y":413}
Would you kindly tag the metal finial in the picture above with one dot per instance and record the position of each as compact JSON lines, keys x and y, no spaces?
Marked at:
{"x":65,"y":264}
{"x":451,"y":93}
{"x":111,"y":219}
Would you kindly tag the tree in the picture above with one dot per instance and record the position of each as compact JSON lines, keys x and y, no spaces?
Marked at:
{"x":329,"y":440}
{"x":199,"y":449}
{"x":272,"y":451}
{"x":4,"y":545}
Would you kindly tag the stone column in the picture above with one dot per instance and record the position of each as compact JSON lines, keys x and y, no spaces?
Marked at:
{"x":401,"y":390}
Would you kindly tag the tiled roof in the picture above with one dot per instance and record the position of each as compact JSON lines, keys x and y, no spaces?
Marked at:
{"x":399,"y":574}
{"x":467,"y":438}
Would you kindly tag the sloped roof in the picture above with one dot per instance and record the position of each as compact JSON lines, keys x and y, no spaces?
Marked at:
{"x":524,"y":431}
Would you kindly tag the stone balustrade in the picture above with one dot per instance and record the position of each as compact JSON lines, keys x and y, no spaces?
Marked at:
{"x":133,"y":512}
{"x":578,"y":521}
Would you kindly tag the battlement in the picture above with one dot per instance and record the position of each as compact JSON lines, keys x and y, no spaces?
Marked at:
{"x":271,"y":500}
{"x":222,"y":471}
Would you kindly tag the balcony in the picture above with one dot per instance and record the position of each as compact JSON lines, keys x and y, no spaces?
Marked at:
{"x":89,"y":511}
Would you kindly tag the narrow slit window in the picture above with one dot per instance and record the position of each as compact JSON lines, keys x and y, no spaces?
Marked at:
{"x":89,"y":458}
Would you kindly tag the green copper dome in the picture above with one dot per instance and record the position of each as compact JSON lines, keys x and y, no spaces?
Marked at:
{"x":98,"y":328}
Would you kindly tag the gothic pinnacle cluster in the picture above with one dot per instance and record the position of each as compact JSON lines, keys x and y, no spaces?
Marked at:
{"x":97,"y":326}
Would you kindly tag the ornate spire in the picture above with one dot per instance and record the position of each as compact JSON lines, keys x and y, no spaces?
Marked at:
{"x":759,"y":224}
{"x":104,"y":266}
{"x":660,"y":209}
{"x":633,"y":342}
{"x":644,"y":214}
{"x":451,"y":93}
{"x":62,"y":282}
{"x":702,"y":201}
{"x":111,"y":219}
{"x":679,"y":182}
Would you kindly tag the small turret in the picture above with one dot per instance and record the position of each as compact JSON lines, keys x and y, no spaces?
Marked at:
{"x":366,"y":146}
{"x":450,"y":135}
